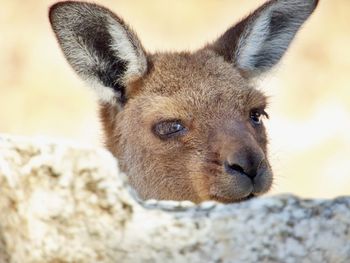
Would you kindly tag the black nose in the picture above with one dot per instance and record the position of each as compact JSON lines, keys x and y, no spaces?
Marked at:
{"x":243,"y":162}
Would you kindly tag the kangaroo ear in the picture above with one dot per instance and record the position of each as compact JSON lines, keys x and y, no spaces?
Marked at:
{"x":259,"y":41}
{"x":99,"y":46}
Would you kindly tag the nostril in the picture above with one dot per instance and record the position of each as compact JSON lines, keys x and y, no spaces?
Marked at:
{"x":232,"y":168}
{"x":236,"y":167}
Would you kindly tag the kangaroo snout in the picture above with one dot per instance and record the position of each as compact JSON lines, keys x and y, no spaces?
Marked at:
{"x":245,"y":172}
{"x":250,"y":166}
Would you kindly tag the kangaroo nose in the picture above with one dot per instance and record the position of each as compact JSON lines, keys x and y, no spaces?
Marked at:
{"x":244,"y":162}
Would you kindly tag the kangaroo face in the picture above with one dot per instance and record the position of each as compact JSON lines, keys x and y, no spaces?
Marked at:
{"x":184,"y":126}
{"x":193,"y":131}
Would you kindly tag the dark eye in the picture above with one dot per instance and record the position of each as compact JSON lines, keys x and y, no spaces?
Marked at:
{"x":256,"y":116}
{"x":168,"y":129}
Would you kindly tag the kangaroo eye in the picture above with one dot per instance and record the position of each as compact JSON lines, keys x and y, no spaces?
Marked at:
{"x":256,"y":116}
{"x":168,"y":129}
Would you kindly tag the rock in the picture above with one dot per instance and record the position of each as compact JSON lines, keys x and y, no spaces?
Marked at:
{"x":63,"y":203}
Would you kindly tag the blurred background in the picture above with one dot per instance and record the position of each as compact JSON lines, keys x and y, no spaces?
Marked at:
{"x":309,"y":91}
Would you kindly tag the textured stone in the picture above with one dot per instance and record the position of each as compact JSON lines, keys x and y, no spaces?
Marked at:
{"x":64,"y":203}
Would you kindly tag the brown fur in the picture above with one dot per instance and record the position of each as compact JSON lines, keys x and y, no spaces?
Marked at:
{"x":221,"y":153}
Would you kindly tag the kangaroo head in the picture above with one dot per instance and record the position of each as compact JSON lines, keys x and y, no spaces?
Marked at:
{"x":184,"y":126}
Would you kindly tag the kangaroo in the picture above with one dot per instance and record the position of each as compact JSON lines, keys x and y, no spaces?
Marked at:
{"x":183,"y":125}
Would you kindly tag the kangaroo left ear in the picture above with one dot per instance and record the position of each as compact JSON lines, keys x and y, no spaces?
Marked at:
{"x":259,"y":41}
{"x":100,"y":47}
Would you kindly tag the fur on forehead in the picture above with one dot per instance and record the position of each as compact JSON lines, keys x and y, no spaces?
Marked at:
{"x":170,"y":73}
{"x":195,"y":81}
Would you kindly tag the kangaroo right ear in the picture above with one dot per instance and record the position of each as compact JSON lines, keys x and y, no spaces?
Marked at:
{"x":100,"y":48}
{"x":258,"y":42}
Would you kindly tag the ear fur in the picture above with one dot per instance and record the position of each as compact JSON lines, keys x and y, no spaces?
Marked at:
{"x":259,"y":41}
{"x":99,"y":46}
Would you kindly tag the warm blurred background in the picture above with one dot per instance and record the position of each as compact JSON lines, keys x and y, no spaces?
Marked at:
{"x":310,"y":90}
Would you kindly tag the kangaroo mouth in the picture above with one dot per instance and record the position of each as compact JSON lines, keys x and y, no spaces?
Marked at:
{"x":227,"y":200}
{"x":251,"y":196}
{"x":239,"y":187}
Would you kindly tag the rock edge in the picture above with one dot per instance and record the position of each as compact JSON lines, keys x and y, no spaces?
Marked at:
{"x":64,"y":203}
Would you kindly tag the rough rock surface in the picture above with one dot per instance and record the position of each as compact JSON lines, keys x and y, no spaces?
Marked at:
{"x":61,"y":203}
